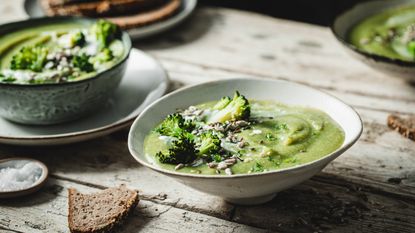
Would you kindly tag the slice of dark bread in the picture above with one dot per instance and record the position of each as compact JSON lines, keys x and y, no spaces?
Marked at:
{"x":155,"y":14}
{"x":406,"y":127}
{"x":101,"y":211}
{"x":95,"y":8}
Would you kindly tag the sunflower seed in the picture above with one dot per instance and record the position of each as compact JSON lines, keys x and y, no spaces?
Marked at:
{"x":212,"y":165}
{"x":222,"y":165}
{"x":180,"y":165}
{"x":230,"y":161}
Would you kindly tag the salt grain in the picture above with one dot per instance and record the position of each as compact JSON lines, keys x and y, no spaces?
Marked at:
{"x":21,"y":175}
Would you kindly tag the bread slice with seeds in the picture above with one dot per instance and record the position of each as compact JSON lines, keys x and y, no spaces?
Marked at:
{"x":406,"y":127}
{"x":101,"y":211}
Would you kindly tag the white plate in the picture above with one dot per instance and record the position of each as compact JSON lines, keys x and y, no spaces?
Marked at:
{"x":144,"y":82}
{"x":33,"y":9}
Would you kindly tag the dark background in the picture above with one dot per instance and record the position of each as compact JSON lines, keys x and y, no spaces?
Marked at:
{"x":319,"y":12}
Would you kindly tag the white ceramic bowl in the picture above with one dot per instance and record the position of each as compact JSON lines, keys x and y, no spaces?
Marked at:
{"x":246,"y":188}
{"x":347,"y":20}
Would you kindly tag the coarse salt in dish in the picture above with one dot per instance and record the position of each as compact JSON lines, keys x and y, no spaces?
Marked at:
{"x":18,"y":175}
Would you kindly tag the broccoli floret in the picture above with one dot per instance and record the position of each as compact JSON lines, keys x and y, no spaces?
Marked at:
{"x":182,"y":150}
{"x":208,"y":143}
{"x":175,"y":126}
{"x":5,"y":79}
{"x":222,"y":103}
{"x":82,"y":62}
{"x":411,"y":48}
{"x":237,"y":109}
{"x":103,"y":56}
{"x":78,"y":39}
{"x":105,"y":32}
{"x":31,"y":58}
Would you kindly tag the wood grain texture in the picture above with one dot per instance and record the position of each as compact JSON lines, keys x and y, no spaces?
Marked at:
{"x":370,"y":188}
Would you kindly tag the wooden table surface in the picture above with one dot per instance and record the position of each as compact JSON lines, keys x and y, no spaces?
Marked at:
{"x":370,"y":188}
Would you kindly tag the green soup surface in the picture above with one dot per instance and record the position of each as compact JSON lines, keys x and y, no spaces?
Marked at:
{"x":390,"y":34}
{"x":59,"y":52}
{"x":274,"y":136}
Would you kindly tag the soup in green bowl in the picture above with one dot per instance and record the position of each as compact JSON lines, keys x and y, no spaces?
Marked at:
{"x":62,"y":52}
{"x":389,"y":33}
{"x":54,"y":70}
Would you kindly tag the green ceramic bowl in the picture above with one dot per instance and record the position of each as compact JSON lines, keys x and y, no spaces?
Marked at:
{"x":44,"y":104}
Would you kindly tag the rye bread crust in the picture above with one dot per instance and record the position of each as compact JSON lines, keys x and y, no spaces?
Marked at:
{"x":100,"y":212}
{"x":405,"y":127}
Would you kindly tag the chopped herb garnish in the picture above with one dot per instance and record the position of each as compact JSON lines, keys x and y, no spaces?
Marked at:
{"x":281,"y":127}
{"x":217,"y":158}
{"x":82,"y":62}
{"x":7,"y":79}
{"x":270,"y":137}
{"x":257,"y":167}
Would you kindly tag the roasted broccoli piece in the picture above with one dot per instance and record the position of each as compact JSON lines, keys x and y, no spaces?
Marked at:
{"x":237,"y":109}
{"x":103,"y":56}
{"x":175,"y":126}
{"x":222,"y":103}
{"x":208,"y":143}
{"x":29,"y":58}
{"x":82,"y":62}
{"x":182,"y":150}
{"x":105,"y":32}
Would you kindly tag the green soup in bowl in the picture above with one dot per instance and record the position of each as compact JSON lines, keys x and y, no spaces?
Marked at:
{"x":243,"y":148}
{"x":54,"y":70}
{"x":381,"y":34}
{"x":390,"y":33}
{"x":270,"y":136}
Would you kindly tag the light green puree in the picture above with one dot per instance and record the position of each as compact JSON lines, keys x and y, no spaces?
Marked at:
{"x":59,"y":52}
{"x":390,"y":34}
{"x":282,"y":137}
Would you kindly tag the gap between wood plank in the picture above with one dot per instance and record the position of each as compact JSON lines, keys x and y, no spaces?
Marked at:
{"x":9,"y":230}
{"x":351,"y":184}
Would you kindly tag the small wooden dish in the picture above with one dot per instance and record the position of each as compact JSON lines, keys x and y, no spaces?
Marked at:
{"x":35,"y":187}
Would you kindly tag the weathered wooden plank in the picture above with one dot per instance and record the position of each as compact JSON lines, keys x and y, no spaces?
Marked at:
{"x":190,"y":74}
{"x":46,"y":211}
{"x":316,"y":206}
{"x":323,"y":203}
{"x":276,"y":48}
{"x":112,"y":165}
{"x":12,"y":11}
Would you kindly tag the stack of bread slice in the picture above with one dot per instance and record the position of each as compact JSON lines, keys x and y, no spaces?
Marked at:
{"x":126,"y":13}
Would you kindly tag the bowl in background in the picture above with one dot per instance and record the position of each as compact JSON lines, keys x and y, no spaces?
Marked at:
{"x":52,"y":103}
{"x":344,"y":23}
{"x":252,"y":188}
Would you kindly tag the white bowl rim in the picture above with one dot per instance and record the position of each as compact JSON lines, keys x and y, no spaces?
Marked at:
{"x":313,"y":163}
